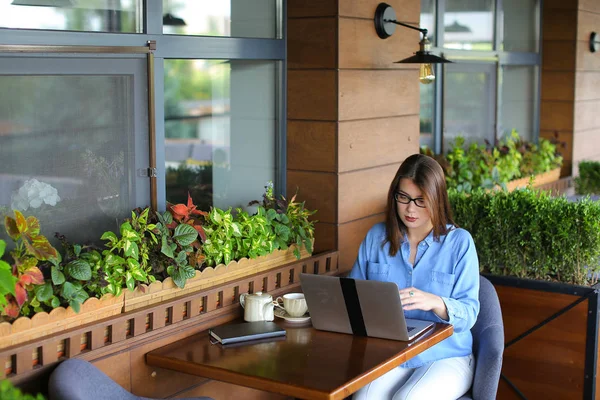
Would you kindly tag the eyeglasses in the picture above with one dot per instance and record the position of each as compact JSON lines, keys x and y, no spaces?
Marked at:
{"x":405,"y":199}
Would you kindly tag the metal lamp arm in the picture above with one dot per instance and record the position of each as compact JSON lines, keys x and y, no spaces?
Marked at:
{"x":422,"y":30}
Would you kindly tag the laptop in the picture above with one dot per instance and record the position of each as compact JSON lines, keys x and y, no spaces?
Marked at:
{"x":359,"y":307}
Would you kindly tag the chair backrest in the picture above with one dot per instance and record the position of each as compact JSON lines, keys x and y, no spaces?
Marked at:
{"x":76,"y":379}
{"x":488,"y":343}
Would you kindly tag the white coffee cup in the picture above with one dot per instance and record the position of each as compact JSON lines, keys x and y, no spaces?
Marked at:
{"x":294,"y":304}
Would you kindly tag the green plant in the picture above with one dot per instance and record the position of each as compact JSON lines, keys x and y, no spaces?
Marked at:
{"x":588,"y":181}
{"x":126,"y":259}
{"x":257,"y":236}
{"x":178,"y":242}
{"x":530,"y":234}
{"x":221,"y":233}
{"x":72,"y":278}
{"x":7,"y":280}
{"x":9,"y":392}
{"x":30,"y":248}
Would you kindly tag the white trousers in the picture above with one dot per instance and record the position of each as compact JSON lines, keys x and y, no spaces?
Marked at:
{"x":448,"y":378}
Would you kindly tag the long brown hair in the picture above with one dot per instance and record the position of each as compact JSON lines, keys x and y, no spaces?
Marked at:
{"x":428,"y":176}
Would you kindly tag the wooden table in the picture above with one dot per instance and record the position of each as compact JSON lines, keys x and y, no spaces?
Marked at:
{"x":306,"y":364}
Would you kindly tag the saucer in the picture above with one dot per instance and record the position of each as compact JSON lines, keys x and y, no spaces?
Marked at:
{"x":282,"y":314}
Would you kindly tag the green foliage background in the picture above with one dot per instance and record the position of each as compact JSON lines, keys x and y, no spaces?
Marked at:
{"x":530,"y":234}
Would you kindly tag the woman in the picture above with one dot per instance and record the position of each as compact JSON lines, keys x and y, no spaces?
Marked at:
{"x":434,"y":264}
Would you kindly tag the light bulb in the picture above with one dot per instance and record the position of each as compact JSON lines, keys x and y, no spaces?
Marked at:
{"x":426,"y":74}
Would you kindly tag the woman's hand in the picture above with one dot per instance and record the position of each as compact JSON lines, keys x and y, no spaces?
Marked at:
{"x":415,"y":299}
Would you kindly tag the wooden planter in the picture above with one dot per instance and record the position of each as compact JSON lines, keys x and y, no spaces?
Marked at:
{"x":24,"y":329}
{"x":538,"y":180}
{"x":551,"y":333}
{"x":161,"y":291}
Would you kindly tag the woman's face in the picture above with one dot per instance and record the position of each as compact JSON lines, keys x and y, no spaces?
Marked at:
{"x":414,"y":217}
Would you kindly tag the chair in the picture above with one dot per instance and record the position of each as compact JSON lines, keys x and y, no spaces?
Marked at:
{"x":488,"y":344}
{"x":76,"y":379}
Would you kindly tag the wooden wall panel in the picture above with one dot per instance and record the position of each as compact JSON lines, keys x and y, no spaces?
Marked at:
{"x":375,"y":142}
{"x":561,"y":4}
{"x":587,"y":115}
{"x":222,"y":390}
{"x":587,"y":85}
{"x":558,"y":85}
{"x":312,"y":43}
{"x":406,"y":10}
{"x":325,"y":237}
{"x":312,"y":146}
{"x":312,"y":8}
{"x":586,"y":60}
{"x":588,"y":5}
{"x":351,"y":234}
{"x":312,"y":95}
{"x":556,"y":115}
{"x":558,"y":55}
{"x":117,"y":368}
{"x":360,"y":47}
{"x":363,"y":193}
{"x":587,"y":23}
{"x":377,"y":93}
{"x":585,"y":145}
{"x":318,"y":189}
{"x":561,"y":24}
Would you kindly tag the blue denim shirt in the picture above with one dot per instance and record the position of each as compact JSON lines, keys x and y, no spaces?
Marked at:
{"x":448,"y":268}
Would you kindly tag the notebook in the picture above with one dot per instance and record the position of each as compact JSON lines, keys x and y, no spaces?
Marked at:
{"x":241,"y":332}
{"x":359,"y":307}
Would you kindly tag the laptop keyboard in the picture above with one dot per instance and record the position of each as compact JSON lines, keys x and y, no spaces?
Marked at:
{"x":410,"y":328}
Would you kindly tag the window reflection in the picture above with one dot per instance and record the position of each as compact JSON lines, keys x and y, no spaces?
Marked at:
{"x":469,"y":25}
{"x":231,"y":18}
{"x":220,"y":130}
{"x":73,"y":15}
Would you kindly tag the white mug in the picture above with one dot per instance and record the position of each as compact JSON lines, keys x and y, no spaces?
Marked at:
{"x":294,"y":304}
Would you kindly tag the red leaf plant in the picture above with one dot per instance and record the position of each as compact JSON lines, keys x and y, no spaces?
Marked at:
{"x":30,"y":247}
{"x":188,"y":214}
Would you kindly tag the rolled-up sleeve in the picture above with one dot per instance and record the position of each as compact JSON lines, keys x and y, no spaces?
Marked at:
{"x":463,"y":303}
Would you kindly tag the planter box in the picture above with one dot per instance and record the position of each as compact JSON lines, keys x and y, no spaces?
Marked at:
{"x":551,"y":333}
{"x":24,"y":329}
{"x":538,"y":180}
{"x":161,"y":291}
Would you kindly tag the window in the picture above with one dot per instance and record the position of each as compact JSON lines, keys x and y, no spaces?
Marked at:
{"x":492,"y":86}
{"x":86,"y":123}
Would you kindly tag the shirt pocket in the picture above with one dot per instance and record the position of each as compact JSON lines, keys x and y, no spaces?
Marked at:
{"x":377,"y":271}
{"x":442,"y":283}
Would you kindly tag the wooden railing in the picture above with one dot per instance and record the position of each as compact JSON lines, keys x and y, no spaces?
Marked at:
{"x":194,"y":313}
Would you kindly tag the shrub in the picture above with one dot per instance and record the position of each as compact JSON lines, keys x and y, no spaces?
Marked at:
{"x":530,"y":234}
{"x":588,"y":181}
{"x":9,"y":392}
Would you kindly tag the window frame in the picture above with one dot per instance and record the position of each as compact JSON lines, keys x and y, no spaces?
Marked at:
{"x":501,"y":58}
{"x":179,"y":47}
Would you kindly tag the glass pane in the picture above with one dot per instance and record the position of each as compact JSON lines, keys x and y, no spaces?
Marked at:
{"x":73,"y":15}
{"x":469,"y":102}
{"x":220,"y":130}
{"x":469,"y":25}
{"x":233,"y":18}
{"x":428,"y":18}
{"x":518,"y":100}
{"x":67,"y":162}
{"x":521,"y":25}
{"x":426,"y":116}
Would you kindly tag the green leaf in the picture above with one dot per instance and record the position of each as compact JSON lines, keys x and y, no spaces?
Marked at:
{"x":7,"y":282}
{"x":184,"y":234}
{"x":68,"y":290}
{"x":110,"y":236}
{"x":55,"y":302}
{"x":79,"y":269}
{"x":166,"y":249}
{"x":131,"y":249}
{"x":44,"y":292}
{"x":130,"y":282}
{"x":75,"y":305}
{"x":58,"y":278}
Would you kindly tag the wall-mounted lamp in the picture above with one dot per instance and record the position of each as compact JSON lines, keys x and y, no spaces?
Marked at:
{"x":385,"y":25}
{"x":594,"y":42}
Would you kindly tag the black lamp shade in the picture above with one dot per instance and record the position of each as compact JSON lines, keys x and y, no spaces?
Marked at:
{"x":171,"y":20}
{"x":422,"y":57}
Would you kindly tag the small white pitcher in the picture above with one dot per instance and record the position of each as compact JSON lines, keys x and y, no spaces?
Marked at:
{"x":257,"y":306}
